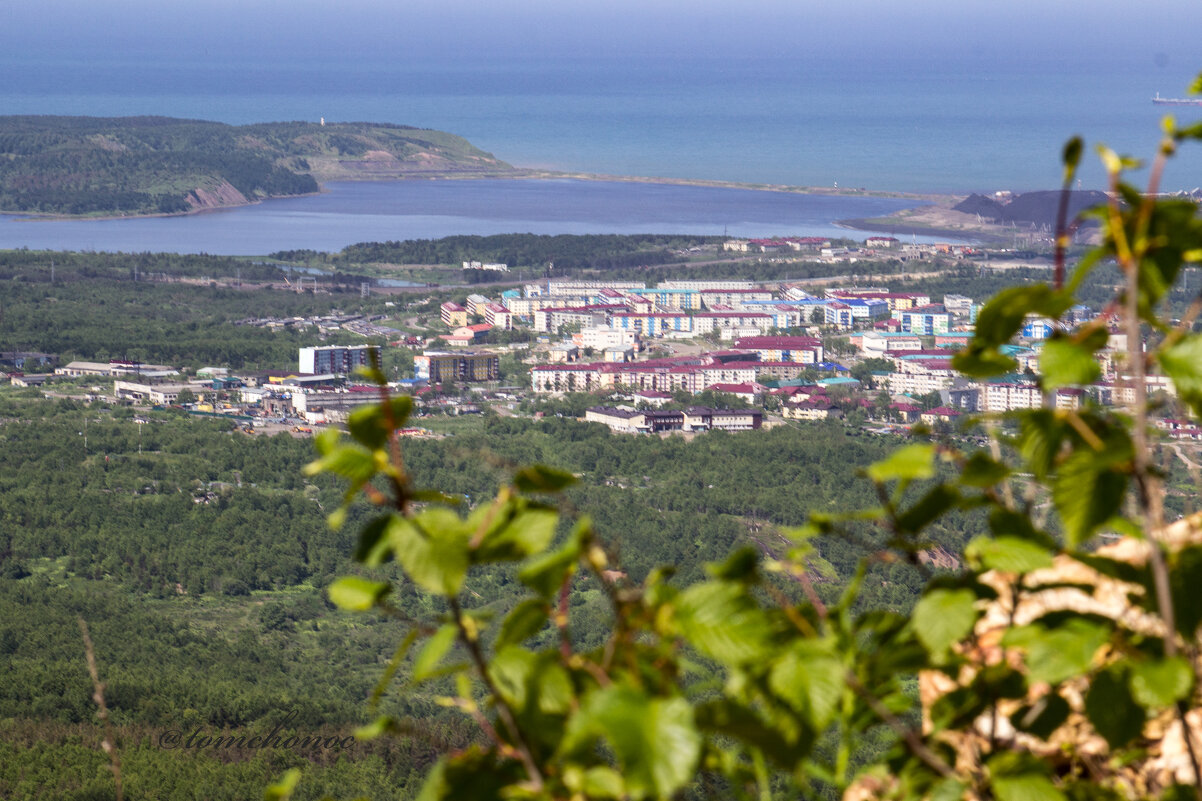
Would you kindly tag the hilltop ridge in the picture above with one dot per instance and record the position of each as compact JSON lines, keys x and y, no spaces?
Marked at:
{"x":120,"y":166}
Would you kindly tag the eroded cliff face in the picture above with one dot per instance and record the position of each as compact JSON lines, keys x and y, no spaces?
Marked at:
{"x":216,"y":197}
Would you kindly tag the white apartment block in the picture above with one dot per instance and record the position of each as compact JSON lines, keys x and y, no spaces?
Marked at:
{"x":601,"y":338}
{"x":708,"y":322}
{"x":921,"y":376}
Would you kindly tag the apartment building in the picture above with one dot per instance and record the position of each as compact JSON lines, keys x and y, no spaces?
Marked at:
{"x":336,"y":359}
{"x":469,"y":366}
{"x":452,"y":314}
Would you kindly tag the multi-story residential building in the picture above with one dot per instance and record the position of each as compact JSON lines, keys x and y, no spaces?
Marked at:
{"x":708,"y":322}
{"x":1036,"y":327}
{"x":696,"y":418}
{"x":600,"y":338}
{"x":926,"y":320}
{"x":953,"y":339}
{"x":878,"y":344}
{"x":476,"y":303}
{"x":686,"y":299}
{"x":806,"y":350}
{"x":729,"y":373}
{"x":1013,"y":393}
{"x":452,"y":314}
{"x":850,"y":312}
{"x":652,"y":324}
{"x":551,"y":320}
{"x":498,"y":316}
{"x":959,"y":305}
{"x":584,"y":288}
{"x":735,"y":298}
{"x":921,"y":376}
{"x":564,"y":377}
{"x":336,"y":359}
{"x":818,"y":407}
{"x":526,"y":307}
{"x":469,"y":366}
{"x":703,"y":284}
{"x":897,"y":301}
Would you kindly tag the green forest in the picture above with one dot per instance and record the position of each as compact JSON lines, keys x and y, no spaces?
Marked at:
{"x":96,"y":307}
{"x":160,"y":165}
{"x":199,"y":557}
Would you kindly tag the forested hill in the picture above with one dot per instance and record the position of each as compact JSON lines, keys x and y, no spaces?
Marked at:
{"x":156,"y":165}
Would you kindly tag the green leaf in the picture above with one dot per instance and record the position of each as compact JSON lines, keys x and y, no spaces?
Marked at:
{"x":1043,"y":717}
{"x":283,"y":789}
{"x":377,"y":728}
{"x":556,"y":695}
{"x":655,"y":740}
{"x":1040,"y":434}
{"x":1004,"y":314}
{"x":349,"y":461}
{"x":940,"y":499}
{"x":357,"y":594}
{"x":526,"y":620}
{"x":371,"y":425}
{"x":1182,"y":362}
{"x":1008,"y":554}
{"x":982,"y":363}
{"x":373,"y":548}
{"x":1185,"y":577}
{"x":1064,"y":363}
{"x":908,"y":463}
{"x":1061,"y":653}
{"x":741,"y":565}
{"x":546,"y":573}
{"x":982,"y":471}
{"x":1086,"y":492}
{"x":540,"y":478}
{"x":471,"y":774}
{"x":810,"y":677}
{"x":528,"y":531}
{"x":435,"y":556}
{"x":723,"y":621}
{"x":944,"y":617}
{"x":948,"y":790}
{"x":1026,"y":787}
{"x":1158,"y":683}
{"x":510,"y":671}
{"x":603,"y":782}
{"x":1112,"y":710}
{"x":432,"y":653}
{"x":1195,"y":86}
{"x":785,"y":745}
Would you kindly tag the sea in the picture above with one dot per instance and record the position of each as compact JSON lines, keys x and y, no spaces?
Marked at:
{"x":938,"y":122}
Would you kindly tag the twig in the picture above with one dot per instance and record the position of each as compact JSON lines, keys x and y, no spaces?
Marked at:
{"x":913,"y":741}
{"x":524,"y":752}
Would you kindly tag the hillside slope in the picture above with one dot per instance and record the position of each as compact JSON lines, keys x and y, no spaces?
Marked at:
{"x":160,"y":165}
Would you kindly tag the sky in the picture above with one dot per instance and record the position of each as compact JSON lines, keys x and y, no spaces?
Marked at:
{"x":1160,"y":30}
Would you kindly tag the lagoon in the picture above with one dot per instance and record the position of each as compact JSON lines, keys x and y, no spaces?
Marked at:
{"x":350,"y":212}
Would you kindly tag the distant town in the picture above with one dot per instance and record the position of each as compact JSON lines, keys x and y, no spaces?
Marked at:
{"x":680,"y":356}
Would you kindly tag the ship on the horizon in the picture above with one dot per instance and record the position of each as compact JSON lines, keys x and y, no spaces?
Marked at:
{"x":1176,"y":101}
